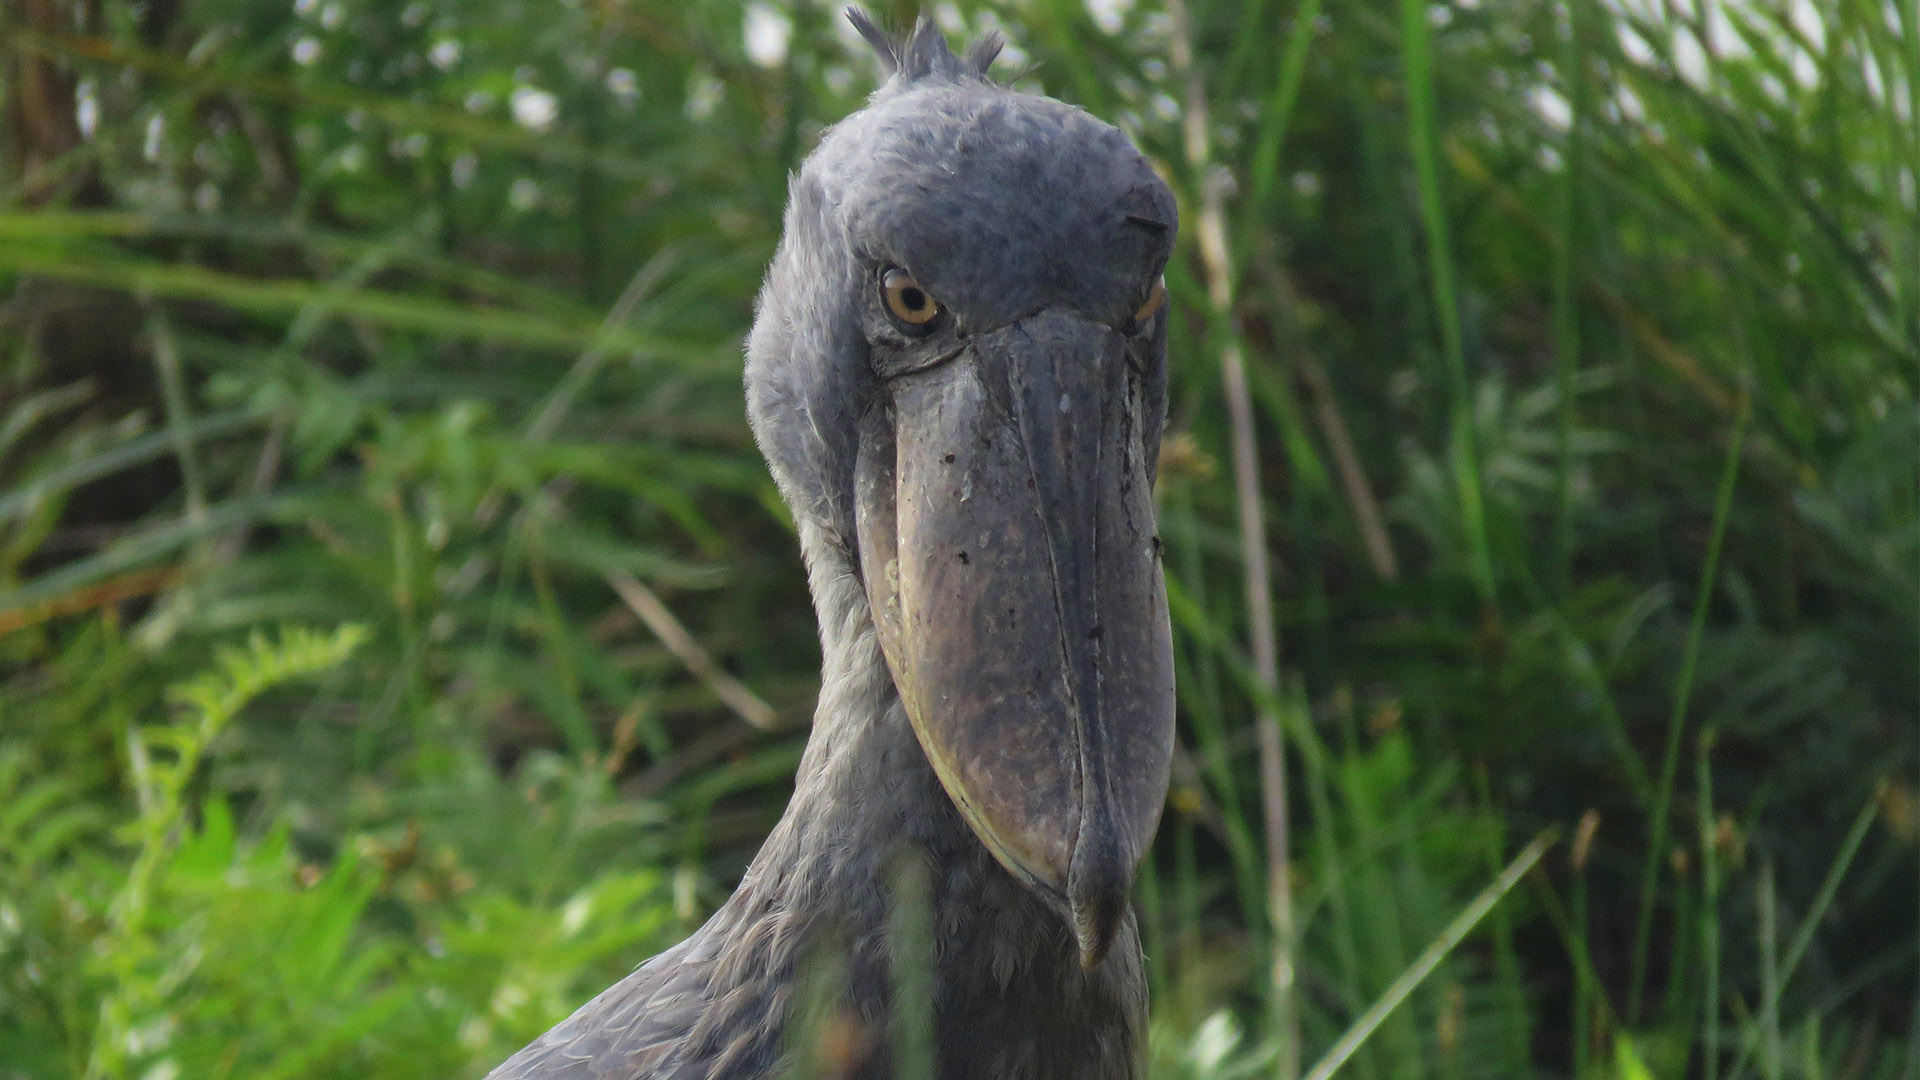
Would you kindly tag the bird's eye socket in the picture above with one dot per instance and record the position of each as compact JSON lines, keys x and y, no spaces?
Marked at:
{"x":1156,"y":299}
{"x":907,"y":300}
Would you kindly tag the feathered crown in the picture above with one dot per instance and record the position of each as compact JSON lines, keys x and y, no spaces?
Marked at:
{"x":924,"y":52}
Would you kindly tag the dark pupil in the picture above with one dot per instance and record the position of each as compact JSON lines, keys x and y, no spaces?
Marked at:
{"x":912,"y":299}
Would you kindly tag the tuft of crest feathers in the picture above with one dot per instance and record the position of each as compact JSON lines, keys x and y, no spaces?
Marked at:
{"x":923,"y":52}
{"x":981,"y":54}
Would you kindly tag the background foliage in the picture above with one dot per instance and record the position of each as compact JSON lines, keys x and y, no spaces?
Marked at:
{"x":380,"y":534}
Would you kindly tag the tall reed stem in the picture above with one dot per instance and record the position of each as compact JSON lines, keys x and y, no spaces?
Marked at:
{"x":1263,"y":641}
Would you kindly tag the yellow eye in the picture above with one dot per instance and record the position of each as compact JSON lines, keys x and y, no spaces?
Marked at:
{"x":907,"y":300}
{"x":1156,"y":298}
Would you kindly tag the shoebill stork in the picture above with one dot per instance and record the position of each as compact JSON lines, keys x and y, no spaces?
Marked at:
{"x":957,"y":374}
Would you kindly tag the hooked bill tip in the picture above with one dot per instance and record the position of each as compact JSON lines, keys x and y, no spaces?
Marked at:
{"x":1097,"y":888}
{"x":1096,"y":921}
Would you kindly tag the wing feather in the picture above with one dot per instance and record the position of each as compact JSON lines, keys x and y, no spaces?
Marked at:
{"x":632,"y":1031}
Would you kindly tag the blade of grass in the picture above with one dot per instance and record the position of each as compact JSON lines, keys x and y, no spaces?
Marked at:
{"x":1202,"y":694}
{"x":1217,"y":257}
{"x":1278,"y":115}
{"x":1709,"y":910}
{"x":1677,"y":719}
{"x":1643,"y":329}
{"x":731,"y":691}
{"x":1583,"y":667}
{"x":1766,"y":900}
{"x":129,"y":586}
{"x":1463,"y":441}
{"x":1367,"y":518}
{"x":1909,"y":35}
{"x":639,"y":287}
{"x":133,"y":452}
{"x":51,"y":591}
{"x":1448,"y":939}
{"x":1829,"y":888}
{"x":1566,"y":311}
{"x":1816,"y":911}
{"x":1514,"y":1019}
{"x":1593,"y":1012}
{"x":1384,"y":900}
{"x":404,"y":246}
{"x":1346,"y":944}
{"x":26,"y":412}
{"x":911,"y":946}
{"x":1354,"y":483}
{"x":173,"y":392}
{"x":280,"y":296}
{"x":396,"y":111}
{"x":1153,"y":924}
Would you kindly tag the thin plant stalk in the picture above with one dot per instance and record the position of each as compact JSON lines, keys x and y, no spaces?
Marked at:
{"x":641,"y":285}
{"x":1709,"y":912}
{"x":1276,"y":117}
{"x":1464,"y":447}
{"x":1682,"y":696}
{"x":1153,"y":924}
{"x":1816,"y":911}
{"x":1217,"y":258}
{"x":1514,"y":1016}
{"x":1448,"y":939}
{"x":910,"y":941}
{"x":1766,"y":900}
{"x":1582,"y":1003}
{"x":173,"y":391}
{"x":732,"y":693}
{"x":1331,"y":872}
{"x":1593,"y":1013}
{"x":1566,"y":310}
{"x":1368,"y":519}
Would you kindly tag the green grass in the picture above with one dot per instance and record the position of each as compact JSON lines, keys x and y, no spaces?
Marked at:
{"x":1580,"y":346}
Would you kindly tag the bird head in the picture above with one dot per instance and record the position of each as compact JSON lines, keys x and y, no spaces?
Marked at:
{"x":958,"y":375}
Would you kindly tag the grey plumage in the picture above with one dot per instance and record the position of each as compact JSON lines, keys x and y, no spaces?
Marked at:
{"x":1040,"y":230}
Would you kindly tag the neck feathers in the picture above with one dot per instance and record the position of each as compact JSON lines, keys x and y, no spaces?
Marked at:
{"x":817,"y":908}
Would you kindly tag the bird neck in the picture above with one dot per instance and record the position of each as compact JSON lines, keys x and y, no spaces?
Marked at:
{"x":865,"y":796}
{"x":1010,"y":998}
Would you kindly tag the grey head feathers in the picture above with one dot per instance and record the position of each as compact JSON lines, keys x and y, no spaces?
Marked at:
{"x":923,"y":51}
{"x":998,"y":202}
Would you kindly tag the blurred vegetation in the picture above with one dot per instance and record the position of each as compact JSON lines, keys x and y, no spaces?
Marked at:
{"x":380,"y":531}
